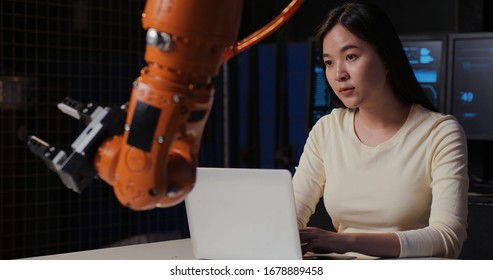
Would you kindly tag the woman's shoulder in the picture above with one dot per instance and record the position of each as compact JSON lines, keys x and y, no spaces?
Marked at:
{"x":436,"y":121}
{"x":337,"y":114}
{"x":423,"y":114}
{"x":336,"y":120}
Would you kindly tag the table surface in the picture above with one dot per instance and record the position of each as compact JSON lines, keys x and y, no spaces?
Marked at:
{"x":180,"y":249}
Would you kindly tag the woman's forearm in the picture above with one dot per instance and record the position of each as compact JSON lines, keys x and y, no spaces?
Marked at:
{"x":372,"y":244}
{"x":317,"y":240}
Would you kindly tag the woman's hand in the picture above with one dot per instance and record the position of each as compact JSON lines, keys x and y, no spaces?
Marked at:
{"x":317,"y":240}
{"x":321,"y":241}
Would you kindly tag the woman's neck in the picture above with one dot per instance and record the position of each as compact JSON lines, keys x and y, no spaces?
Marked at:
{"x":374,"y":126}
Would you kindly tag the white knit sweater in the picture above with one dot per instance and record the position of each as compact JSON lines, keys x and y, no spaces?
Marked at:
{"x":414,"y":184}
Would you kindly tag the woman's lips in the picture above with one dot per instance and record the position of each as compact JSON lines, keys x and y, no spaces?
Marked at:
{"x":346,"y":90}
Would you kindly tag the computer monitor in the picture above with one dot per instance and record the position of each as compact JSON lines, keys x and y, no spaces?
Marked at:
{"x":319,"y":101}
{"x":427,"y":55}
{"x":470,"y":83}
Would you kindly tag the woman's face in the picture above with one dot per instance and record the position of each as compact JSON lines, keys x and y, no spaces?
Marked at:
{"x":354,"y":69}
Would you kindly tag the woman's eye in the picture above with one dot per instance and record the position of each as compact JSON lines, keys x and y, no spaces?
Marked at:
{"x":351,"y":56}
{"x":328,"y":62}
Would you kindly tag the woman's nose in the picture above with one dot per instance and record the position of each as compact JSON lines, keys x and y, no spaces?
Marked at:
{"x":341,"y":74}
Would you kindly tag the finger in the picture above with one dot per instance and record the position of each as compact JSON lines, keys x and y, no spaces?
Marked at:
{"x":307,"y":234}
{"x":305,"y":248}
{"x":309,"y":247}
{"x":306,"y":237}
{"x":308,"y":229}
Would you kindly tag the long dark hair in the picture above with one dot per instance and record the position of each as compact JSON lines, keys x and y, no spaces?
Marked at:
{"x":371,"y":24}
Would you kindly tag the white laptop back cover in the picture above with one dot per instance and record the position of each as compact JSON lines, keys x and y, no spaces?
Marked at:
{"x":243,"y":214}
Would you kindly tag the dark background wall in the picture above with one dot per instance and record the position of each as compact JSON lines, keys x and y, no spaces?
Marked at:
{"x":92,"y":51}
{"x":420,"y":16}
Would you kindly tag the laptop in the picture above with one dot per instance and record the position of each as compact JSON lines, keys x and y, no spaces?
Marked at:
{"x":243,"y":214}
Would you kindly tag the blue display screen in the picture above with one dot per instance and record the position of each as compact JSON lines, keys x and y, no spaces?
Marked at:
{"x":425,"y":57}
{"x":471,"y":83}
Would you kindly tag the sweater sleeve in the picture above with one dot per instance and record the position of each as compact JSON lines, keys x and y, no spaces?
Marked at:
{"x":446,"y":231}
{"x":309,"y":178}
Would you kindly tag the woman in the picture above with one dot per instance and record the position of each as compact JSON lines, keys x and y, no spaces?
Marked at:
{"x":391,"y":170}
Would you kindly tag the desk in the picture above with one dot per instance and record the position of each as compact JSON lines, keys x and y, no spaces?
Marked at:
{"x":180,"y":249}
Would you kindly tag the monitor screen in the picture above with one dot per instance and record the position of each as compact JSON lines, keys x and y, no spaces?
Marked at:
{"x":427,"y":56}
{"x":470,"y":86}
{"x":318,"y":97}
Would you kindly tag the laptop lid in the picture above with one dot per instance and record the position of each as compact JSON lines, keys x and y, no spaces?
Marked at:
{"x":236,"y":213}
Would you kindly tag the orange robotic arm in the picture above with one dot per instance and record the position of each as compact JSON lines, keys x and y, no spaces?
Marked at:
{"x":151,"y":161}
